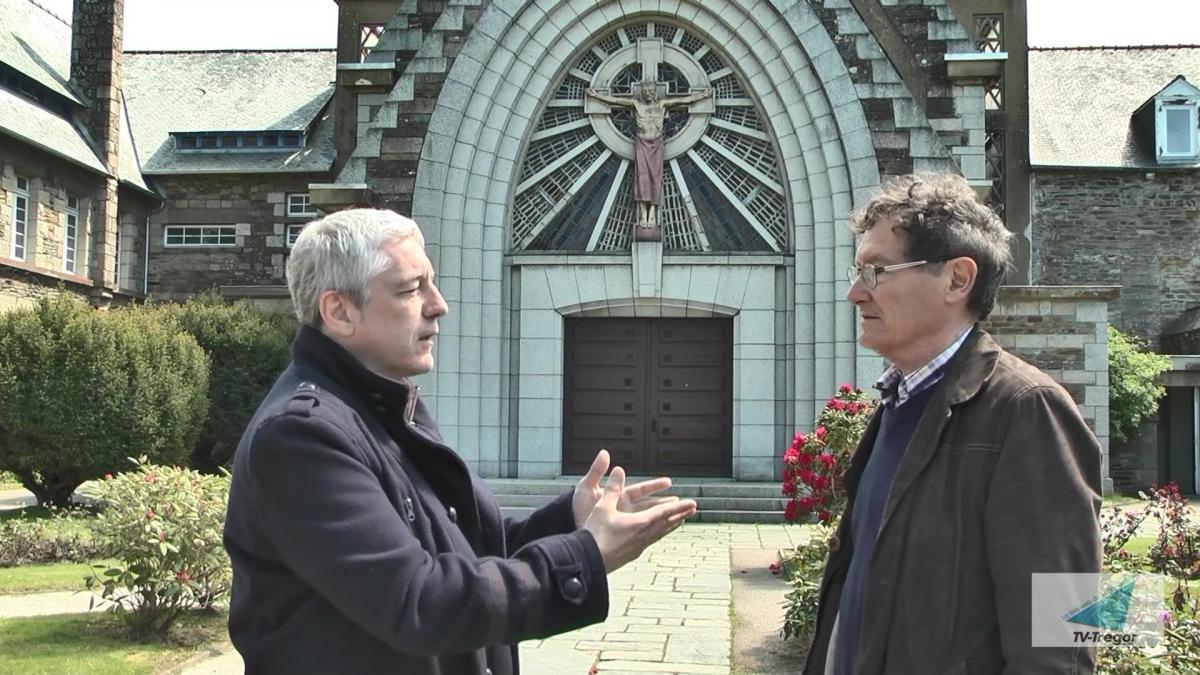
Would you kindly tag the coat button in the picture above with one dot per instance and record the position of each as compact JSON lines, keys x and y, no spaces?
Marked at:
{"x":453,"y":515}
{"x":306,"y":386}
{"x":572,"y":588}
{"x":487,"y":671}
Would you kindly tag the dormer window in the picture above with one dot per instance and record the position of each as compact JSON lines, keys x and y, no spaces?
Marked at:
{"x":272,"y":141}
{"x":1174,"y":121}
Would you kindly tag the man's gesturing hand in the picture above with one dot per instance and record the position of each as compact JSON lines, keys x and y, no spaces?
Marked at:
{"x":622,"y":536}
{"x":636,"y":497}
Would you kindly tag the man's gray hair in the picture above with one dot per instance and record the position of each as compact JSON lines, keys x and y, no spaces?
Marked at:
{"x":940,"y":217}
{"x":342,"y":252}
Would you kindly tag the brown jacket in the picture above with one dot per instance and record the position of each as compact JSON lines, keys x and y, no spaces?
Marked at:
{"x":1001,"y":479}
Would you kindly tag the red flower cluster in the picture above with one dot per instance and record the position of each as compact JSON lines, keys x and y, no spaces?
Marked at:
{"x":814,"y":463}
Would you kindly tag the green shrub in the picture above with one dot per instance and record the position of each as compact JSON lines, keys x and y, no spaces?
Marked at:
{"x":163,"y":525}
{"x":84,"y":389}
{"x":1133,"y":388}
{"x":248,"y":348}
{"x":802,"y":569}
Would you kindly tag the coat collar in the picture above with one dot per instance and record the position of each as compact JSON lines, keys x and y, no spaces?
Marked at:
{"x":315,"y":351}
{"x":966,"y":375}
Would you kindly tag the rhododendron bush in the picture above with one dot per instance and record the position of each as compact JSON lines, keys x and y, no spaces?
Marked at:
{"x":813,"y":465}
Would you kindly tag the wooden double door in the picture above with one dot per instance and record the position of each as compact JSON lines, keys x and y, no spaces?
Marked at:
{"x":658,"y":393}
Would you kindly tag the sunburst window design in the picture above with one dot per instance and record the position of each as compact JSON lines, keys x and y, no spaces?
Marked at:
{"x":721,"y":183}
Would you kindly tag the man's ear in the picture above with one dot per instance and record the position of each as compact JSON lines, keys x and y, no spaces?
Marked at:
{"x":339,"y":316}
{"x":962,"y":279}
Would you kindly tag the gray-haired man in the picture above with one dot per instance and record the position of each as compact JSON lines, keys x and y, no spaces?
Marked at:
{"x":360,"y":542}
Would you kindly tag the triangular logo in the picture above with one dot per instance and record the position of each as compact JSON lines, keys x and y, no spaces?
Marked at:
{"x":1108,"y":611}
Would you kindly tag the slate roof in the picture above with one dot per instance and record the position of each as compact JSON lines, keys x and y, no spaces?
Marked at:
{"x":202,"y":91}
{"x":37,"y":43}
{"x":33,"y":124}
{"x":1081,"y":102}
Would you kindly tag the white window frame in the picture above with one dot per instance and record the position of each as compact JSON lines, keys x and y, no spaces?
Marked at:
{"x":20,"y":214}
{"x":117,"y":258}
{"x":1193,"y":141}
{"x":202,"y":236}
{"x":71,"y":235}
{"x":304,"y":208}
{"x":292,"y":232}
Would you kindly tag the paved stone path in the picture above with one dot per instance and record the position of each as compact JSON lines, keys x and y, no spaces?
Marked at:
{"x":670,"y":610}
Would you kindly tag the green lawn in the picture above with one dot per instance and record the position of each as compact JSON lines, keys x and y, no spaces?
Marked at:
{"x":95,"y":644}
{"x":64,"y":576}
{"x":1121,"y":500}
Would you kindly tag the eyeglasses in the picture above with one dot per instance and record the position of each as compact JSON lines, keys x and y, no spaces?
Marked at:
{"x":870,"y":273}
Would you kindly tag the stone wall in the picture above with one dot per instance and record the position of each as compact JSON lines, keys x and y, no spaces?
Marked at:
{"x":255,"y":204}
{"x":944,"y":131}
{"x":1132,"y":229}
{"x":1064,"y":332}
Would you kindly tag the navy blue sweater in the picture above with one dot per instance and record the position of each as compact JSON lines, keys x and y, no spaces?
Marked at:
{"x":896,"y":427}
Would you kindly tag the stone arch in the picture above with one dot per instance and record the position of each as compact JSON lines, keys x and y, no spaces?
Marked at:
{"x":487,"y":106}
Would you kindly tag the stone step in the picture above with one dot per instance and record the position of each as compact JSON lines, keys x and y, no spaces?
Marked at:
{"x":702,"y":516}
{"x":683,"y":487}
{"x":704,"y":503}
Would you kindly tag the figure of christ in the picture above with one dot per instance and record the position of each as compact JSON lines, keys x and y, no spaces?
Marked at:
{"x":650,"y":111}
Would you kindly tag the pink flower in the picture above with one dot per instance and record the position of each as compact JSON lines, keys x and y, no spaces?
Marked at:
{"x":791,"y":456}
{"x":807,"y":504}
{"x":789,"y":488}
{"x":845,"y":389}
{"x":824,"y":516}
{"x":805,"y":460}
{"x":108,"y":476}
{"x":150,"y":514}
{"x":799,"y":440}
{"x":821,"y":431}
{"x":775,"y":569}
{"x":828,"y":460}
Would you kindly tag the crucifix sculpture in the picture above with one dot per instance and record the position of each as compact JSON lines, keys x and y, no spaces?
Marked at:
{"x":649,"y":101}
{"x":650,"y":112}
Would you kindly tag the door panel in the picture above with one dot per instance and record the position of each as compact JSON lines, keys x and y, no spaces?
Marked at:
{"x":658,"y":393}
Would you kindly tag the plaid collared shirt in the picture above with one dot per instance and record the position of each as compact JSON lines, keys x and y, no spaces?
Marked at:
{"x":895,"y":387}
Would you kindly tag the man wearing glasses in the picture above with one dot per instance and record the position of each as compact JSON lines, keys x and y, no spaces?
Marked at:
{"x":976,"y":471}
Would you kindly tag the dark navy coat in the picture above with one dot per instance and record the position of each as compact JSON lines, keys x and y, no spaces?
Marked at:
{"x":362,"y":544}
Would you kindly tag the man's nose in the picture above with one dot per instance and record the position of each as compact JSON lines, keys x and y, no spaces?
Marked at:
{"x":436,"y":305}
{"x":858,"y":292}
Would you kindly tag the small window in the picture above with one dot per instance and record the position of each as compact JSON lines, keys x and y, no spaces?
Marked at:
{"x":299,"y":205}
{"x":199,"y":235}
{"x":1181,"y":130}
{"x":71,"y":235}
{"x":293,"y":233}
{"x":20,"y":212}
{"x":117,"y":257}
{"x":368,"y":37}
